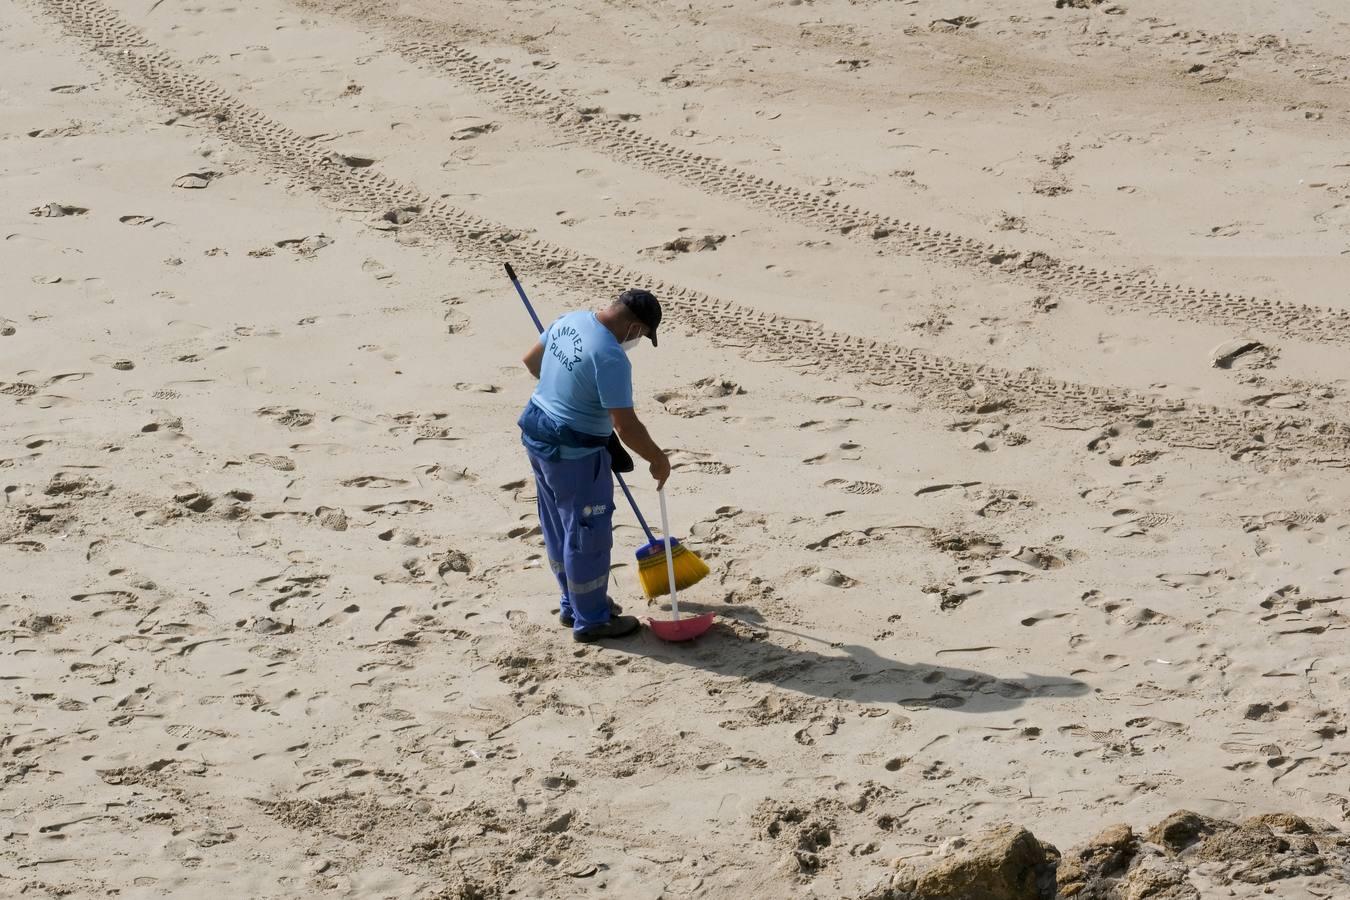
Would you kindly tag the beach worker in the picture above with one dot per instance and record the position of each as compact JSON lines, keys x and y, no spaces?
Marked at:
{"x":583,"y":400}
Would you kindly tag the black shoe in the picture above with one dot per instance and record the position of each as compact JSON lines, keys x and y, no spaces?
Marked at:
{"x":618,"y":626}
{"x":568,"y":621}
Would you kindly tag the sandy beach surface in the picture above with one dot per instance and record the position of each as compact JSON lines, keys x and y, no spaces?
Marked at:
{"x":1005,"y":383}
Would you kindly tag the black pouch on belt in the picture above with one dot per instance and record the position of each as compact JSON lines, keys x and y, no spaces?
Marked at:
{"x":619,"y":460}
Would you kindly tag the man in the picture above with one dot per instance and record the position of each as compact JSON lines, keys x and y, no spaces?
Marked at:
{"x":584,"y":399}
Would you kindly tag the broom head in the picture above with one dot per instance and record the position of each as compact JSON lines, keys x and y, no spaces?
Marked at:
{"x":651,"y":559}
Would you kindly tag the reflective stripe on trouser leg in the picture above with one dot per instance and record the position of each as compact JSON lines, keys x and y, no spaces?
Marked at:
{"x":583,"y":495}
{"x":587,"y":587}
{"x":555,"y":539}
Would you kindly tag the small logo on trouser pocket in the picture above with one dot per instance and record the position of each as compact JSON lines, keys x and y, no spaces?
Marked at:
{"x":599,"y":510}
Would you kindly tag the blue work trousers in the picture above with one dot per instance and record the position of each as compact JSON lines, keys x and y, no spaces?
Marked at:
{"x":576,"y":513}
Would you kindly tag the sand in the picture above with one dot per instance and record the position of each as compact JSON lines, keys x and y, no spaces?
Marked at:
{"x":1005,"y":382}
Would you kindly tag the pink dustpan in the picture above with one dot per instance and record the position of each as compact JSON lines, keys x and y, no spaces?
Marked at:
{"x":681,"y":629}
{"x":676,"y":629}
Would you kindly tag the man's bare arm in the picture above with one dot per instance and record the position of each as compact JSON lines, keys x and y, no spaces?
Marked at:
{"x":634,"y":434}
{"x":534,"y":359}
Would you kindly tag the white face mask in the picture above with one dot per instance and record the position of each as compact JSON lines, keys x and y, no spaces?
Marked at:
{"x":630,"y":344}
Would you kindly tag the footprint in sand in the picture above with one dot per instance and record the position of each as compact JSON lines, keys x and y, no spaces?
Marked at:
{"x":71,"y":130}
{"x":373,"y":481}
{"x":96,"y":290}
{"x":944,"y":486}
{"x":854,"y":487}
{"x":699,"y":398}
{"x":121,"y":365}
{"x":1242,"y":353}
{"x":1095,"y":599}
{"x":844,"y":401}
{"x":1195,"y":579}
{"x":1040,"y":558}
{"x":676,"y":247}
{"x":522,"y":491}
{"x":332,"y":518}
{"x":56,"y":211}
{"x":121,"y":599}
{"x":402,"y":536}
{"x":449,"y":475}
{"x":254,"y":534}
{"x":710,"y":467}
{"x":18,"y":388}
{"x":378,"y":270}
{"x":1277,"y":401}
{"x":1284,"y":520}
{"x":305,"y":246}
{"x":338,"y":618}
{"x":291,"y":418}
{"x":1121,"y":611}
{"x":399,"y":508}
{"x":1001,"y":576}
{"x":847,"y":451}
{"x":138,"y":220}
{"x":697,"y":462}
{"x":829,"y":577}
{"x":1133,"y":523}
{"x":425,"y":426}
{"x":1046,"y":616}
{"x":165,"y":426}
{"x":998,"y":501}
{"x":456,"y":322}
{"x":452,"y":563}
{"x":818,"y":425}
{"x":325,"y":449}
{"x":469,"y":132}
{"x":196,"y":180}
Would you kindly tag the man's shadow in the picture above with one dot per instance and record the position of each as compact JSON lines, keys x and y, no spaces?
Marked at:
{"x":744,"y":648}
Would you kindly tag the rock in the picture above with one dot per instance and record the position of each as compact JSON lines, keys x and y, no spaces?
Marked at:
{"x":1184,"y":828}
{"x":1004,"y":863}
{"x":1156,"y":878}
{"x":1117,"y":865}
{"x":1287,"y":822}
{"x":1257,"y":855}
{"x":1008,"y":863}
{"x":1090,"y":872}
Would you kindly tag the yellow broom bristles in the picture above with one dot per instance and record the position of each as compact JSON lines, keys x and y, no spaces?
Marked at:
{"x":689,"y":571}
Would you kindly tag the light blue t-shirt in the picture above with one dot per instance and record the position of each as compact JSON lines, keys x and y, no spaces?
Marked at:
{"x":585,"y":373}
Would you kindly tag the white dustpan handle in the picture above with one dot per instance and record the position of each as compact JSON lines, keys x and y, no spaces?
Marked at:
{"x":670,"y":559}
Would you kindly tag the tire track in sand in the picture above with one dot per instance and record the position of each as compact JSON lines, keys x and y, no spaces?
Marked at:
{"x":939,"y":381}
{"x":421,"y":43}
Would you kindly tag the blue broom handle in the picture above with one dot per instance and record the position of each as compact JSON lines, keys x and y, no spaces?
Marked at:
{"x":511,"y":273}
{"x":539,"y":326}
{"x":651,"y":538}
